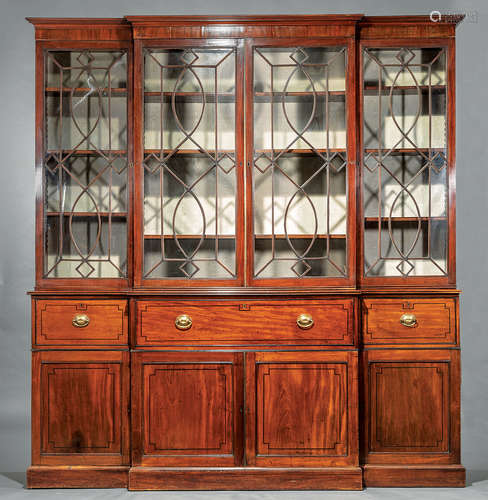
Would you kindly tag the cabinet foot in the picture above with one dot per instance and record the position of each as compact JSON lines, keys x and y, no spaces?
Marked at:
{"x":77,"y":477}
{"x":400,"y":476}
{"x":245,"y":478}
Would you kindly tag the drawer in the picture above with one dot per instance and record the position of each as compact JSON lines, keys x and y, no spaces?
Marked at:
{"x":250,"y":322}
{"x":81,"y":322}
{"x":409,"y":321}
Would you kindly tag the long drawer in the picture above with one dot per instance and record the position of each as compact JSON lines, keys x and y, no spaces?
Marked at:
{"x":81,"y":322}
{"x":409,"y":321}
{"x":231,"y":322}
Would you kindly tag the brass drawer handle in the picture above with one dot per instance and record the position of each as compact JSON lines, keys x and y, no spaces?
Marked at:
{"x":183,"y":322}
{"x":80,"y":320}
{"x":305,"y":321}
{"x":409,"y":320}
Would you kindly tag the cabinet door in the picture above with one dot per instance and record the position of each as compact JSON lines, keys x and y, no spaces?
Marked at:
{"x":301,"y":152}
{"x":407,"y":163}
{"x":301,"y":409}
{"x":191,"y":164}
{"x":187,"y":409}
{"x":80,"y":408}
{"x":411,"y":405}
{"x":83,"y":155}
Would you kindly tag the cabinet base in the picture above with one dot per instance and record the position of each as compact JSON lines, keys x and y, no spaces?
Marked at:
{"x":402,"y":476}
{"x":77,"y":477}
{"x":245,"y":478}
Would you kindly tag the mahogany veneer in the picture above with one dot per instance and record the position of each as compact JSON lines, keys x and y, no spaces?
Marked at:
{"x":332,"y":377}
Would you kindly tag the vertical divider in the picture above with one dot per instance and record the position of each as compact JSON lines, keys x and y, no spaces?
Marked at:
{"x":249,"y":160}
{"x":352,"y":158}
{"x":138,"y":151}
{"x":240,"y":165}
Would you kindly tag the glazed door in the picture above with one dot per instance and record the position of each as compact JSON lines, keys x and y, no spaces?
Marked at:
{"x":190,"y":145}
{"x":187,"y":409}
{"x":301,"y":162}
{"x":83,"y":152}
{"x":407,"y":94}
{"x":301,"y":409}
{"x":80,"y":403}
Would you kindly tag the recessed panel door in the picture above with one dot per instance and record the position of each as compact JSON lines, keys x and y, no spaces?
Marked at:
{"x":187,"y":409}
{"x":80,"y":408}
{"x":301,"y":409}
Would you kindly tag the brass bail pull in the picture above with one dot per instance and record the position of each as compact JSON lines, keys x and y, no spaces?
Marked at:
{"x":305,"y":321}
{"x":183,"y":322}
{"x":80,"y":320}
{"x":408,"y":320}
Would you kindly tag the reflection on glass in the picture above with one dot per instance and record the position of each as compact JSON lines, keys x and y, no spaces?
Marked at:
{"x":299,"y":174}
{"x":189,"y":163}
{"x":85,"y":164}
{"x":405,"y":162}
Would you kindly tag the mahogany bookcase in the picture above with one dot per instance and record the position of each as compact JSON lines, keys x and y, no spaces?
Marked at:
{"x":245,"y":253}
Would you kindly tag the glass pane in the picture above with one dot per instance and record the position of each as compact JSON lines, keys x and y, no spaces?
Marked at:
{"x":189,"y":163}
{"x":299,"y":174}
{"x":405,"y":162}
{"x":85,"y":164}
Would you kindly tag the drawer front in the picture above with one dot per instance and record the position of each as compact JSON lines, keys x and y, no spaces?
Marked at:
{"x":250,"y":322}
{"x":409,"y":321}
{"x":82,"y":323}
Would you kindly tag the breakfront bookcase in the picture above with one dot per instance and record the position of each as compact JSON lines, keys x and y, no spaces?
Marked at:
{"x":245,"y":253}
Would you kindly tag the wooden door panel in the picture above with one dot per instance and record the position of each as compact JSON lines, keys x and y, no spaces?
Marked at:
{"x":79,"y":411}
{"x":320,"y":389}
{"x":301,"y":409}
{"x":187,"y":407}
{"x":412,"y":404}
{"x":178,"y":400}
{"x":417,"y":421}
{"x":69,"y":404}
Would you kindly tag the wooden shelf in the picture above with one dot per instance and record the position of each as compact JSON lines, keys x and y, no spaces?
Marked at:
{"x":384,"y":220}
{"x":301,"y":151}
{"x":189,"y":237}
{"x":333,"y":95}
{"x":406,"y":151}
{"x":232,"y":237}
{"x":232,"y":151}
{"x":409,"y":89}
{"x":87,"y":152}
{"x":190,"y":96}
{"x":88,"y":214}
{"x":301,"y":94}
{"x":85,"y":90}
{"x":300,"y":236}
{"x":188,"y":151}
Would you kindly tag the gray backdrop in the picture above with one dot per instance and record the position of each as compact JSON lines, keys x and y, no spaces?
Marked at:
{"x":17,"y":188}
